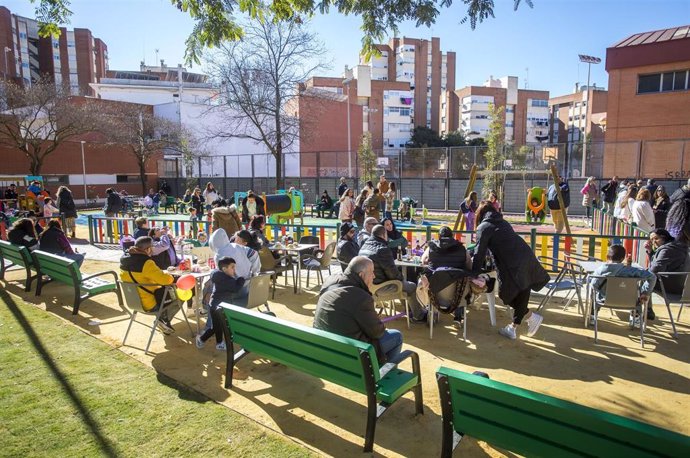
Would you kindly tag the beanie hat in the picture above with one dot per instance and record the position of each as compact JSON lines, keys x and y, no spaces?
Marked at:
{"x":345,"y":228}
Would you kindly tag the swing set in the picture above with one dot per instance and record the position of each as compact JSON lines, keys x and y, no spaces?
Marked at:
{"x":535,"y":202}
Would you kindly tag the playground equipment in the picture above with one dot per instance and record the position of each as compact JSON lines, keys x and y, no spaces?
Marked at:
{"x":535,"y":206}
{"x":282,"y":206}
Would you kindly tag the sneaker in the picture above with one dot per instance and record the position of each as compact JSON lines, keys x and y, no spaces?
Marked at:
{"x":221,"y":346}
{"x":533,"y":324}
{"x":422,"y":319}
{"x":165,"y":328}
{"x":508,"y":331}
{"x":634,"y":320}
{"x":199,"y":343}
{"x":650,"y":314}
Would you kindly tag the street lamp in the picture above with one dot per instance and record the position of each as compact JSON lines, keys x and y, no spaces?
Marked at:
{"x":7,"y":49}
{"x":589,"y":60}
{"x":83,"y":173}
{"x":347,"y":82}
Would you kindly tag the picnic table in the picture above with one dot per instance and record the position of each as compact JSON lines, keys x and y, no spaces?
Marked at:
{"x":298,"y":250}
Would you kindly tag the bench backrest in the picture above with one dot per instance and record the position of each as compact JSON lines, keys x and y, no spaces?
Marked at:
{"x":319,"y":353}
{"x":58,"y":268}
{"x":534,"y":424}
{"x":17,"y":254}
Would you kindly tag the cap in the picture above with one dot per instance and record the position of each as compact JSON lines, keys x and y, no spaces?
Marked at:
{"x":345,"y":228}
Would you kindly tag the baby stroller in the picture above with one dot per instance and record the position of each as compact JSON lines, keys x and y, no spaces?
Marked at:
{"x":407,"y":204}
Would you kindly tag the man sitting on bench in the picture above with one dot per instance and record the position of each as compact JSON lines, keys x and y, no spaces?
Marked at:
{"x":346,"y":307}
{"x":137,"y":266}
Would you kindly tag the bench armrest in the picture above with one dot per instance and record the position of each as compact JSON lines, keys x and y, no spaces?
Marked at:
{"x":109,"y":272}
{"x":390,"y":365}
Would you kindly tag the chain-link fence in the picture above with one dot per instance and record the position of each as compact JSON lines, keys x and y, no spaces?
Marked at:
{"x":437,"y":177}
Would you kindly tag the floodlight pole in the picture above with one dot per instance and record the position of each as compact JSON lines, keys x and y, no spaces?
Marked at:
{"x":349,"y":136}
{"x":589,"y":60}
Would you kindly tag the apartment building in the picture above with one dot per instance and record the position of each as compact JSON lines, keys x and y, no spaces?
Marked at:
{"x":569,"y":113}
{"x":525,"y":111}
{"x":648,"y":125}
{"x":422,"y":65}
{"x":76,"y":58}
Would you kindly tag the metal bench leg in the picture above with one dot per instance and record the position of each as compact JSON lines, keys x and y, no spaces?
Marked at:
{"x":77,"y":301}
{"x":670,"y":316}
{"x":372,"y":408}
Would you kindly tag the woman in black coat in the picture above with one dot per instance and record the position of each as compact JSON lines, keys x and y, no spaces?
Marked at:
{"x":68,"y":210}
{"x":519,"y":271}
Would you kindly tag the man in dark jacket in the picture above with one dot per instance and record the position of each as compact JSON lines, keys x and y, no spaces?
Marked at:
{"x":557,"y":214}
{"x":113,"y":203}
{"x":11,"y":195}
{"x":517,"y":268}
{"x":681,"y":193}
{"x":347,"y":247}
{"x":365,"y":232}
{"x":651,"y":187}
{"x":608,"y":192}
{"x":667,"y":254}
{"x":376,"y":248}
{"x":346,"y":307}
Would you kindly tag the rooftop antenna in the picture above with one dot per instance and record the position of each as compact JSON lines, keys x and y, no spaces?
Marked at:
{"x":156,"y":50}
{"x":527,"y":78}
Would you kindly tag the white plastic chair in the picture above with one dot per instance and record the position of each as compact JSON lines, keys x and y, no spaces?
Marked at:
{"x":133,"y":305}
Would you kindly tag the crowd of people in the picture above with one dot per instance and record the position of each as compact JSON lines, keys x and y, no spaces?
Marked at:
{"x":368,"y":248}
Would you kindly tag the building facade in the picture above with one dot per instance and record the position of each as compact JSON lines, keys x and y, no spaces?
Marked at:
{"x":647,"y":121}
{"x":569,"y":114}
{"x":525,"y":112}
{"x":76,"y":58}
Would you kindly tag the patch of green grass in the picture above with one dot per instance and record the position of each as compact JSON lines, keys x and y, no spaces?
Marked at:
{"x":64,"y":393}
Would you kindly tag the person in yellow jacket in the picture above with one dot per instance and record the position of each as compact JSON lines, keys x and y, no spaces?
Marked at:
{"x":137,"y":266}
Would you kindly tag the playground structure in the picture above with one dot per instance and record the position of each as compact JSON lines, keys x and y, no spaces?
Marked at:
{"x":284,"y":206}
{"x":28,"y":200}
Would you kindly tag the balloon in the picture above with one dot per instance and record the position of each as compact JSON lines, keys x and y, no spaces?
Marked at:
{"x":186,"y":282}
{"x":184,"y":294}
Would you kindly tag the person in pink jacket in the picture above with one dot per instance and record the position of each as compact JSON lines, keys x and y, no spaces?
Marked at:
{"x":347,"y":206}
{"x":589,"y":195}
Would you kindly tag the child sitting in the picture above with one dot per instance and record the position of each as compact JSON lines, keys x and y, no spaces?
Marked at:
{"x":614,"y":267}
{"x":538,"y":216}
{"x":142,"y":229}
{"x":201,"y":240}
{"x":227,"y":287}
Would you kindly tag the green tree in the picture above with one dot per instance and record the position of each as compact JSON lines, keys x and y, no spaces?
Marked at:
{"x":424,"y":137}
{"x":215,"y":19}
{"x":495,"y":140}
{"x":367,"y":159}
{"x":455,"y":138}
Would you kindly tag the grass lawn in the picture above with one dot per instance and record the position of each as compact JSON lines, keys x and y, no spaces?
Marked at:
{"x":64,"y":393}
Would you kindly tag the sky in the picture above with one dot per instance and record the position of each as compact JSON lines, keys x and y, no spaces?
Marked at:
{"x":540,"y":44}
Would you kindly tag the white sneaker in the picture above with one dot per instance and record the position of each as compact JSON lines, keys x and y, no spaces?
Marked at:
{"x":221,"y":346}
{"x":199,"y":343}
{"x":165,"y":328}
{"x":533,"y":323}
{"x":508,"y":331}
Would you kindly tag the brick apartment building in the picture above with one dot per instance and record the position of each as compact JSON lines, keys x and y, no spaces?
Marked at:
{"x":569,"y":113}
{"x":76,"y":58}
{"x":648,"y":117}
{"x":525,"y":114}
{"x":388,"y":97}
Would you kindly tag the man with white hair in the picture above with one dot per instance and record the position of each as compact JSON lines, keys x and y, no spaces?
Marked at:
{"x":346,"y":307}
{"x":365,"y":233}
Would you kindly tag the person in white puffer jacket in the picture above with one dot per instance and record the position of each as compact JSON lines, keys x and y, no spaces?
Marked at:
{"x":642,"y":212}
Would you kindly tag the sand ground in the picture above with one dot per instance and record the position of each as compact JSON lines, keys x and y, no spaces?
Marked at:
{"x":562,"y":360}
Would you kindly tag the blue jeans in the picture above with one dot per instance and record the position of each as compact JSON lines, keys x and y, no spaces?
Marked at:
{"x":75,"y":257}
{"x":239,"y":299}
{"x":391,"y":343}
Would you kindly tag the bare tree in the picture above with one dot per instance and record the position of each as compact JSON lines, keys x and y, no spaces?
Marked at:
{"x":259,"y":77}
{"x":36,"y":120}
{"x":135,"y":127}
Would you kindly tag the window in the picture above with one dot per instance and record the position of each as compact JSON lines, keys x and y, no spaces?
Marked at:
{"x":540,"y":103}
{"x":680,"y":81}
{"x":667,"y":82}
{"x":648,"y":83}
{"x":663,"y":82}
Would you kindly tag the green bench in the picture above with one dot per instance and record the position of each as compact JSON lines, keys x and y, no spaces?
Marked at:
{"x":533,"y":424}
{"x":67,"y":271}
{"x":170,"y":203}
{"x":346,"y":362}
{"x":16,"y":256}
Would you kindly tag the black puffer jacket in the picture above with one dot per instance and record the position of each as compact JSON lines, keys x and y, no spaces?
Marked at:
{"x":377,"y":250}
{"x":66,"y":205}
{"x":346,"y":307}
{"x":671,"y":257}
{"x":18,"y":236}
{"x":517,"y":267}
{"x":347,"y":249}
{"x":447,"y":252}
{"x":681,"y":193}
